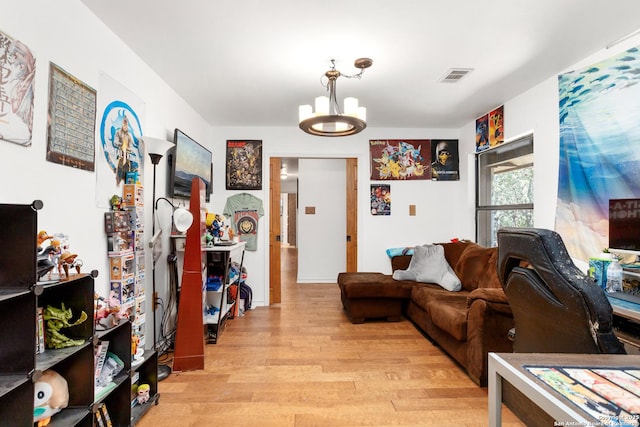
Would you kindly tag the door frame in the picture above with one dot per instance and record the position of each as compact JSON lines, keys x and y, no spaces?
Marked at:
{"x":351,"y":212}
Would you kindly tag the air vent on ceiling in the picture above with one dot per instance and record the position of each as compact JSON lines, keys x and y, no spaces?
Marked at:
{"x":454,"y":75}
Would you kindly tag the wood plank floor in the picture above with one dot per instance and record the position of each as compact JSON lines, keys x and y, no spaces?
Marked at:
{"x":302,"y":363}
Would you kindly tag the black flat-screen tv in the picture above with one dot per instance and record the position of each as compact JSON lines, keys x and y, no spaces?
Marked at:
{"x":624,"y":224}
{"x":187,"y":160}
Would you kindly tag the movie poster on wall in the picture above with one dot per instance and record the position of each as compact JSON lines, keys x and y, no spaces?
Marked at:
{"x":399,"y":159}
{"x":482,"y":133}
{"x":380,"y":199}
{"x":244,"y":165}
{"x":446,"y":163}
{"x":490,"y":129}
{"x":17,"y":74}
{"x":496,"y":126}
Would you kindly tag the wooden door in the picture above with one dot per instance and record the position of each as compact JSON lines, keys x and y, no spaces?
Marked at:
{"x":275,"y":276}
{"x":352,"y":214}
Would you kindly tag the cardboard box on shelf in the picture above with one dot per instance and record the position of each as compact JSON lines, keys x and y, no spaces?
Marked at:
{"x":122,"y":266}
{"x":132,"y":195}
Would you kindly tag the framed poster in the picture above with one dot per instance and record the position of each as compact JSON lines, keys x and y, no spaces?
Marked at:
{"x":244,"y":165}
{"x":396,"y":159}
{"x":380,"y":199}
{"x":71,"y":121}
{"x":17,"y":74}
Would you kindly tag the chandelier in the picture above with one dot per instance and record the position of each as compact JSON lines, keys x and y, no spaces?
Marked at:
{"x":328,"y":120}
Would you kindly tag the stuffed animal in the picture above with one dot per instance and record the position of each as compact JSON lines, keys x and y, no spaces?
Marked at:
{"x":51,"y":396}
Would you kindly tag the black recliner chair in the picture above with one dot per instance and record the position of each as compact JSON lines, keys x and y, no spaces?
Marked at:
{"x":556,"y":307}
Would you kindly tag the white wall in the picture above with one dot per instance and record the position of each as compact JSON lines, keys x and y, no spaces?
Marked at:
{"x":66,"y":33}
{"x":537,"y":110}
{"x":321,"y":235}
{"x":444,"y":209}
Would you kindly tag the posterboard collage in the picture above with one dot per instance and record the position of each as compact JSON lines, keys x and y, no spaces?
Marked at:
{"x":610,"y":395}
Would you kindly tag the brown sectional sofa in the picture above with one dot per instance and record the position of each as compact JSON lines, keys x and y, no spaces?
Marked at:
{"x":467,"y":324}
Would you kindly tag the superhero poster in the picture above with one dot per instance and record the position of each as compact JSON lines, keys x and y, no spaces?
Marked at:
{"x":380,"y":199}
{"x":244,"y":165}
{"x":400,"y":159}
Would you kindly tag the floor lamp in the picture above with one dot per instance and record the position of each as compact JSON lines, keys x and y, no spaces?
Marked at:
{"x":156,"y":149}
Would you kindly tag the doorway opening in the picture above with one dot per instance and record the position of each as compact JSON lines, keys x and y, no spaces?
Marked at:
{"x":286,"y":209}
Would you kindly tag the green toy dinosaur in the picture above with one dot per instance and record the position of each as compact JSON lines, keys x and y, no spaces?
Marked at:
{"x":57,"y":319}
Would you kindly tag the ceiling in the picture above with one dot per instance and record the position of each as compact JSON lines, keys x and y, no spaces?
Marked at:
{"x":252,"y":62}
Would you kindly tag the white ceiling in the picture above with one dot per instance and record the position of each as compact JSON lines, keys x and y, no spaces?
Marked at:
{"x":252,"y":62}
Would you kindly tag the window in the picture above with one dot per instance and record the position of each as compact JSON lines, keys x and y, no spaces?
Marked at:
{"x":504,"y":189}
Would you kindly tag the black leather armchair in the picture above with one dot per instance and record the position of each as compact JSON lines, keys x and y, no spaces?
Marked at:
{"x":556,"y":307}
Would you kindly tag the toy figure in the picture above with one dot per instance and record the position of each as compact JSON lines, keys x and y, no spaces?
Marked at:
{"x":115,"y":202}
{"x":143,"y":393}
{"x":57,"y":319}
{"x":51,"y":396}
{"x":42,"y":237}
{"x":67,"y":259}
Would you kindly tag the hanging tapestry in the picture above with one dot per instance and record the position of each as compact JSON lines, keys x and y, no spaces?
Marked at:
{"x":17,"y":74}
{"x":599,"y":149}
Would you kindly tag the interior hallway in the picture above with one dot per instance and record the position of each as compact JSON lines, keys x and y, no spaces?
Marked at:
{"x":302,"y":363}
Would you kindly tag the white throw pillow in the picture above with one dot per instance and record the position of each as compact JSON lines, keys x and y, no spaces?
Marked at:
{"x":429,"y":265}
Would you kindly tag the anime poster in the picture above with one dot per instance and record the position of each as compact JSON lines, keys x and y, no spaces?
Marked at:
{"x":482,"y":133}
{"x":380,"y":199}
{"x":599,"y":112}
{"x":496,"y":126}
{"x":446,"y":164}
{"x":244,"y":165}
{"x":17,"y":74}
{"x":121,"y":158}
{"x":395,"y":159}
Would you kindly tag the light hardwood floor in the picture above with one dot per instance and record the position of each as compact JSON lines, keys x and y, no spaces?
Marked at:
{"x":302,"y":363}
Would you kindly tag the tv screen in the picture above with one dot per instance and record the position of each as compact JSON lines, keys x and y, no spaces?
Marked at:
{"x":188,"y":160}
{"x":624,"y":224}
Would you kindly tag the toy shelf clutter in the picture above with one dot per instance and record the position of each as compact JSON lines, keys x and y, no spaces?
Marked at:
{"x":65,"y":364}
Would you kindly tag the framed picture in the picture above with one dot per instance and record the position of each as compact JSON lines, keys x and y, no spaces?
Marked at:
{"x":244,"y":165}
{"x":72,"y":121}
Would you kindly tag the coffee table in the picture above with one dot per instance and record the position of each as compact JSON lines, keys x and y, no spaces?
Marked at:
{"x":509,"y":367}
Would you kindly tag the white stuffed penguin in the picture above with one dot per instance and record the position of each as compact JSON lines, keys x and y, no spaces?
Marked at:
{"x":51,"y":396}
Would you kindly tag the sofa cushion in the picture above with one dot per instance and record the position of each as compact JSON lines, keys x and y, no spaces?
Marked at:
{"x":450,"y":316}
{"x":424,"y":293}
{"x":477,"y":268}
{"x":429,"y":265}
